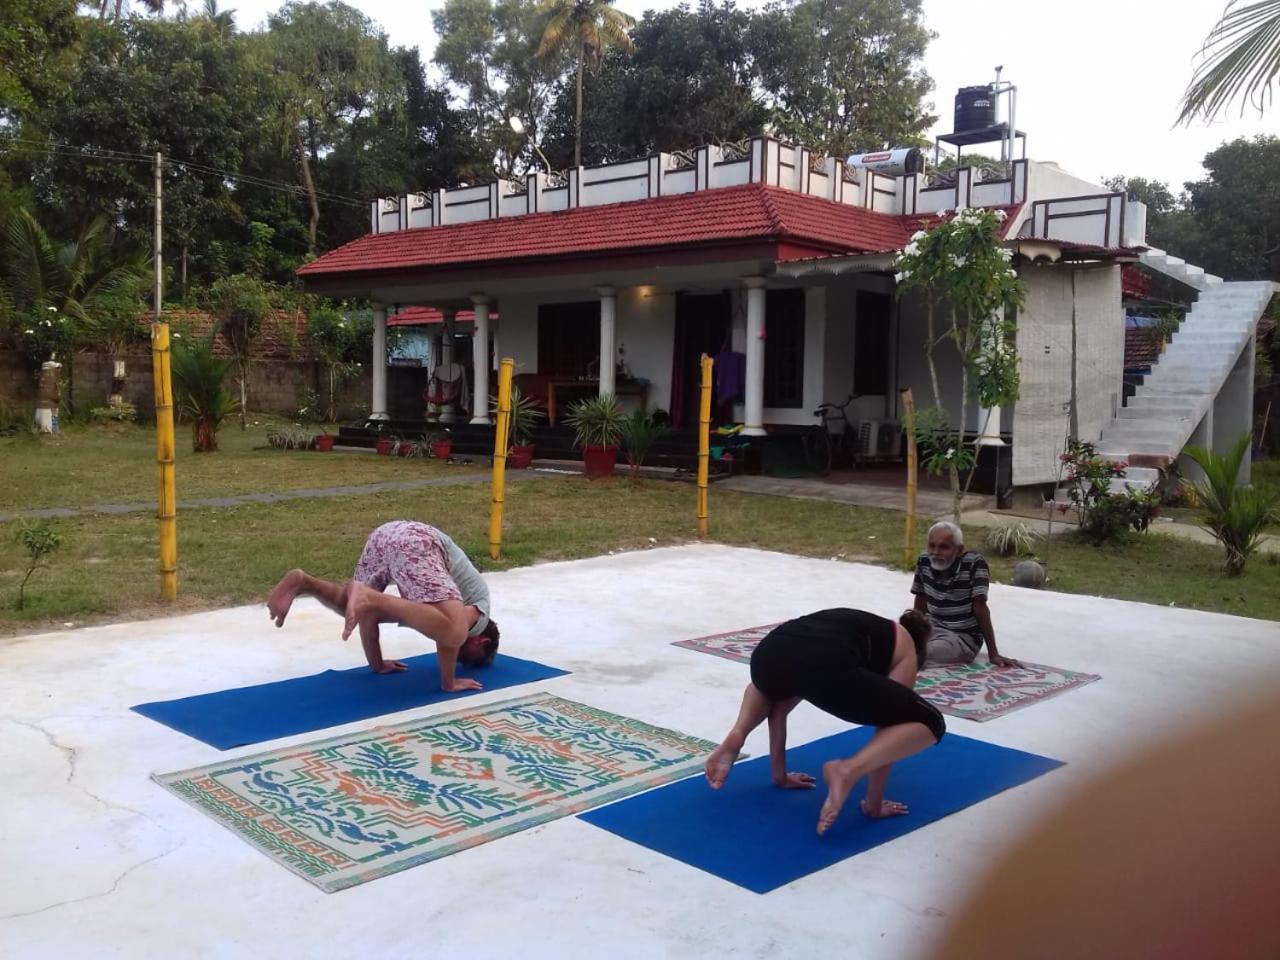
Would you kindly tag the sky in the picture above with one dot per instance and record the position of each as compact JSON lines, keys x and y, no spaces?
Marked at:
{"x":1098,"y":80}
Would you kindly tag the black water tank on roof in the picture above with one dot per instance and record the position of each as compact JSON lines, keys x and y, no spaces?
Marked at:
{"x":975,"y":108}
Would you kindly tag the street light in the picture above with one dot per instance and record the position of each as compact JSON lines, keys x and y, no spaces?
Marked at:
{"x":518,"y":127}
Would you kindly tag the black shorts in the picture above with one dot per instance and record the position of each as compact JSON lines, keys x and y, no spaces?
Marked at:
{"x":839,"y":664}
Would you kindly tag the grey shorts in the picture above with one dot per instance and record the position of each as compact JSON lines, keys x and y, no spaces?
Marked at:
{"x":949,"y":646}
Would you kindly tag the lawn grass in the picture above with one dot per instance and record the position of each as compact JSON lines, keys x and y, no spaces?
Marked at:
{"x":86,"y":465}
{"x":107,"y":566}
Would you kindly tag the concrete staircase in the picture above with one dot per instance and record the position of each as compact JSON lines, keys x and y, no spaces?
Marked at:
{"x":1179,"y":269}
{"x":1161,"y":417}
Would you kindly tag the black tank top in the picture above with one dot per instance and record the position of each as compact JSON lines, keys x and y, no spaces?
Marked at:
{"x":872,"y":636}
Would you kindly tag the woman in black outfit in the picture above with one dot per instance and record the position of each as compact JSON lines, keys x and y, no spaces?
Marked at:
{"x":856,"y":666}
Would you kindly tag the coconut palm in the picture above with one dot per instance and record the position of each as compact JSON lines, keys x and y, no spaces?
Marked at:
{"x":91,"y":282}
{"x":71,"y":278}
{"x":1241,"y":59}
{"x":587,"y":28}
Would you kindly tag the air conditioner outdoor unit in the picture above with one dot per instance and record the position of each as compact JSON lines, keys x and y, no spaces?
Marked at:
{"x":880,"y":439}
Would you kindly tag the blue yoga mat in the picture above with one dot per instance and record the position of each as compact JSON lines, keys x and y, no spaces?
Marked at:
{"x":757,"y":836}
{"x":245,"y":715}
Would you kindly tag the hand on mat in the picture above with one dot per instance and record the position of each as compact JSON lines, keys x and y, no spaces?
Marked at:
{"x":795,"y":781}
{"x":999,"y":661}
{"x":463,"y":683}
{"x":391,"y":666}
{"x":887,"y":808}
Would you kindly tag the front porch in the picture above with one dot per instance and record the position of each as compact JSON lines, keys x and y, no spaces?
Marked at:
{"x":761,"y":259}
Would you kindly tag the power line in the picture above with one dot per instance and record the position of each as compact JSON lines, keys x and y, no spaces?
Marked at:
{"x":72,"y":152}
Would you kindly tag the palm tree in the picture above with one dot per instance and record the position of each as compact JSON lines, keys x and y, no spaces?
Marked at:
{"x":1241,"y":58}
{"x":222,"y":21}
{"x":588,"y":28}
{"x":198,"y":378}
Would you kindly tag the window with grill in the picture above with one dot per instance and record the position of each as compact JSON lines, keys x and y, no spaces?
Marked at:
{"x":784,"y":348}
{"x":569,"y":339}
{"x":871,"y":343}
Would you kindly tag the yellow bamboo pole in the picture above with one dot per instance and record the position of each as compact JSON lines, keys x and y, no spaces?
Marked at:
{"x":167,"y":511}
{"x":501,"y":444}
{"x":704,"y":443}
{"x":909,"y":414}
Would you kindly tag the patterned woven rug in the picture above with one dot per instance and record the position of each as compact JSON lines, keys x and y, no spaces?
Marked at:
{"x":352,"y":808}
{"x":974,"y":691}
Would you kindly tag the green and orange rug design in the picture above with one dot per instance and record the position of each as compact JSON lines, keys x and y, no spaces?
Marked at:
{"x":363,"y":805}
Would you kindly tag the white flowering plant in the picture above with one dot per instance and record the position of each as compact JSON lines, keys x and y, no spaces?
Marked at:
{"x":44,"y":334}
{"x":971,"y":290}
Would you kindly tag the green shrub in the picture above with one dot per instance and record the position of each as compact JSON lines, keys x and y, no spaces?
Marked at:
{"x":1014,"y":539}
{"x":1236,"y":516}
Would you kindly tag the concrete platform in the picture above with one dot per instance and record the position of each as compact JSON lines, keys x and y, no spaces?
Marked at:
{"x":98,"y":861}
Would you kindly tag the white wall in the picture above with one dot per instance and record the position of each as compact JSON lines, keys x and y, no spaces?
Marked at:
{"x":1046,"y":180}
{"x":1100,"y":348}
{"x":518,"y":332}
{"x":646,"y":325}
{"x":1044,"y":339}
{"x":913,"y":365}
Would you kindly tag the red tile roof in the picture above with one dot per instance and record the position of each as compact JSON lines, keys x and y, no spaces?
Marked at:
{"x":1141,"y":349}
{"x":731,"y":215}
{"x":416,"y":316}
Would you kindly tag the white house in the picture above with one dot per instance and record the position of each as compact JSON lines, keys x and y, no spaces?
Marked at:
{"x":768,"y":250}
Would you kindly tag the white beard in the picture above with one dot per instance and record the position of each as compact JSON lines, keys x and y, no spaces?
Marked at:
{"x":938,"y":564}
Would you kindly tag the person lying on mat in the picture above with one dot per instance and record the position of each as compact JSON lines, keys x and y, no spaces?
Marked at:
{"x":442,"y":596}
{"x":856,"y":666}
{"x":950,"y":588}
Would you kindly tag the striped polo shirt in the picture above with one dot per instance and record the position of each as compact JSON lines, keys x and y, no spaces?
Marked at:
{"x":950,"y":593}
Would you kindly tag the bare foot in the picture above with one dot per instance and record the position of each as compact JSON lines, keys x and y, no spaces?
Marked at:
{"x":281,"y":598}
{"x":839,"y":783}
{"x":360,"y":600}
{"x":720,"y":763}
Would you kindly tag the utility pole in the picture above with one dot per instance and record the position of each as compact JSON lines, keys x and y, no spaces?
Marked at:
{"x":161,"y":375}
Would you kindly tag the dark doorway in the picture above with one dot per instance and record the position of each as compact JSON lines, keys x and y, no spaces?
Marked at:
{"x":703,"y":324}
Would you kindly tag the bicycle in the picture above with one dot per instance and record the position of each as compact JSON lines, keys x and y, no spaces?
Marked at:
{"x":822,"y":444}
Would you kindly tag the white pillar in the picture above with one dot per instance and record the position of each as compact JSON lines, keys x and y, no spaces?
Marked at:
{"x":449,"y":412}
{"x":753,"y":405}
{"x":608,"y":339}
{"x":480,"y":361}
{"x":378,"y":407}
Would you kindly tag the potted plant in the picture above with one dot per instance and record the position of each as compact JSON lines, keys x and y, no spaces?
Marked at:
{"x":597,"y":427}
{"x":404,"y":448}
{"x":385,"y":445}
{"x":524,"y":415}
{"x":324,"y":441}
{"x":441,"y":445}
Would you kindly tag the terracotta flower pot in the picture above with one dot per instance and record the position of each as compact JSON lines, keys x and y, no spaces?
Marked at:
{"x":324,"y":443}
{"x":384,"y":446}
{"x":520,"y":457}
{"x":599,"y":461}
{"x":405,"y":450}
{"x":442,"y":449}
